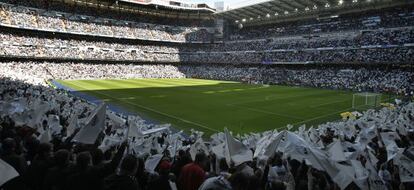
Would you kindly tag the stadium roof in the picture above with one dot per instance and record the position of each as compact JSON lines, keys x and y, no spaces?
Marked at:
{"x":158,"y":8}
{"x":280,"y":10}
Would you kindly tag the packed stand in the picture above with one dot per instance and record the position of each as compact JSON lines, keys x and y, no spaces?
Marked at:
{"x":32,"y":18}
{"x":381,"y":36}
{"x":108,"y":13}
{"x":320,"y":76}
{"x":371,"y":20}
{"x":52,"y":140}
{"x":391,"y":37}
{"x":380,"y":46}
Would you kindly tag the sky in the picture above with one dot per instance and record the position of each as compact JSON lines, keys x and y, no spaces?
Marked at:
{"x":227,"y":3}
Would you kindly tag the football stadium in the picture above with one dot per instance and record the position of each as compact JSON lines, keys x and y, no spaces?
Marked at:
{"x":206,"y":94}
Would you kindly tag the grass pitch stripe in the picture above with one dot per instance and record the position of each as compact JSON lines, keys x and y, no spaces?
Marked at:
{"x":203,"y":104}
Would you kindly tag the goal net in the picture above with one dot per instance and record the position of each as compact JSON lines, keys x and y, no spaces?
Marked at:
{"x":366,"y":100}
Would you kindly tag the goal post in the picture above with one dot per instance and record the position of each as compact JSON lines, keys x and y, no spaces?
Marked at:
{"x":365,"y":100}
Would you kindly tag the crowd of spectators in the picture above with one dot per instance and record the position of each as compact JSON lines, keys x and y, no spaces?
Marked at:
{"x":381,"y":36}
{"x":381,"y":18}
{"x":110,"y":13}
{"x":320,"y":76}
{"x":28,"y":17}
{"x":373,"y":151}
{"x":346,"y":55}
{"x":384,"y":46}
{"x":25,"y":46}
{"x":40,"y":145}
{"x":32,"y":18}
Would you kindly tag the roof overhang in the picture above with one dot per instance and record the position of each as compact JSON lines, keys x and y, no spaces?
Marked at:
{"x":148,"y":8}
{"x":274,"y":11}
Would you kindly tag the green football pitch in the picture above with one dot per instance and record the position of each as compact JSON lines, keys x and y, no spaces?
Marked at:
{"x":210,"y":105}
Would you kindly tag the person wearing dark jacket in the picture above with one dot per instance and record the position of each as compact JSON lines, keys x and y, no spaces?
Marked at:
{"x":87,"y":176}
{"x":100,"y":170}
{"x":163,"y":180}
{"x":78,"y":177}
{"x":37,"y":171}
{"x":18,"y":162}
{"x":181,"y":160}
{"x":56,"y":176}
{"x":125,"y":179}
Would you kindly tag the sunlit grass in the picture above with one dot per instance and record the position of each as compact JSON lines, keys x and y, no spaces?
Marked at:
{"x":210,"y":105}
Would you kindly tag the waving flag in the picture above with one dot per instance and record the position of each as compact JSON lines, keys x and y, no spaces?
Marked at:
{"x":336,"y":152}
{"x":152,"y":162}
{"x":238,"y":152}
{"x":94,"y":125}
{"x":7,"y":172}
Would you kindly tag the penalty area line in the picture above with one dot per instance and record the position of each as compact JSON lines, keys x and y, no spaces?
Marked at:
{"x":322,"y":116}
{"x":272,"y":98}
{"x":327,"y":103}
{"x":264,"y":111}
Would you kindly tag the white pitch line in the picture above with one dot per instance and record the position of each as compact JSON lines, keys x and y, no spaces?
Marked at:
{"x":169,"y":115}
{"x":311,"y":119}
{"x":324,"y":104}
{"x":322,"y":116}
{"x":263,"y":111}
{"x":156,"y":111}
{"x":267,"y":98}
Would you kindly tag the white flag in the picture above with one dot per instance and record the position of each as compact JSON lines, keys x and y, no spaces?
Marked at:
{"x":336,"y":152}
{"x":16,"y":106}
{"x":37,"y":112}
{"x":134,"y":129}
{"x":345,"y":175}
{"x":7,"y":172}
{"x":220,"y":151}
{"x":389,"y":137}
{"x":108,"y":142}
{"x":152,"y":162}
{"x":349,"y":131}
{"x":313,"y":135}
{"x":175,"y":143}
{"x":238,"y":152}
{"x":375,"y":181}
{"x":94,"y":125}
{"x":155,"y":130}
{"x":273,"y":146}
{"x":299,"y":149}
{"x":73,"y":125}
{"x":54,"y":124}
{"x":261,"y":144}
{"x":21,"y":119}
{"x":142,"y":146}
{"x":406,"y":168}
{"x":393,"y":151}
{"x":118,"y":121}
{"x":361,"y":175}
{"x":45,"y":136}
{"x":198,"y":145}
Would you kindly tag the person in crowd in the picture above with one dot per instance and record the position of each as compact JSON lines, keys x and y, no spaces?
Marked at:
{"x":162,"y":180}
{"x":378,"y":146}
{"x":10,"y":155}
{"x":125,"y":179}
{"x":37,"y":170}
{"x":55,"y":178}
{"x":193,"y":174}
